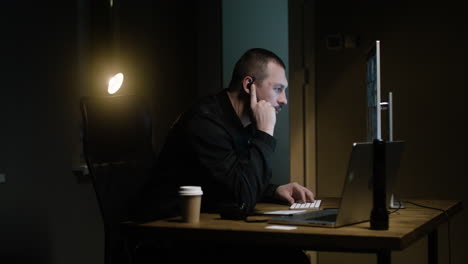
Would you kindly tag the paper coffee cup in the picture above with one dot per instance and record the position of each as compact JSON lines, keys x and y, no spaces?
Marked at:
{"x":190,"y":199}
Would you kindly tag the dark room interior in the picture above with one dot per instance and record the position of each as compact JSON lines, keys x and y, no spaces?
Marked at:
{"x":171,"y":53}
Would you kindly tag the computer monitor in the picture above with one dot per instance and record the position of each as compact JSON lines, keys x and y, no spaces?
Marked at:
{"x":374,"y":120}
{"x":374,"y":111}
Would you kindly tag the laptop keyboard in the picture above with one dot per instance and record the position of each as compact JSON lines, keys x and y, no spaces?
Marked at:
{"x":313,"y":205}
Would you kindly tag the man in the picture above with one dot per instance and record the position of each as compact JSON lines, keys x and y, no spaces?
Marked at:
{"x":224,"y":143}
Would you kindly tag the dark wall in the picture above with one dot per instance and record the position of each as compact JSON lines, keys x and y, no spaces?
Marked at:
{"x":44,"y":215}
{"x":52,"y":54}
{"x":424,"y":62}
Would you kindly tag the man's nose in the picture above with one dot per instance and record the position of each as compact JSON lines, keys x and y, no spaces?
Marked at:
{"x":282,"y":100}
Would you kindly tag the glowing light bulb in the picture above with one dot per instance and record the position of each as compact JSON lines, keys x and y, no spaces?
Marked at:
{"x":115,"y":83}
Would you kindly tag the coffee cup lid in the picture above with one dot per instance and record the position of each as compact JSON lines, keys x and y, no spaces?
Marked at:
{"x":190,"y":190}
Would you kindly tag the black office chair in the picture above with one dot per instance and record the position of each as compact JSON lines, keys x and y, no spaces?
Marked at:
{"x":117,"y":142}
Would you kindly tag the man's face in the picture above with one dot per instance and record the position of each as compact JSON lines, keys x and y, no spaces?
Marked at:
{"x":273,"y":88}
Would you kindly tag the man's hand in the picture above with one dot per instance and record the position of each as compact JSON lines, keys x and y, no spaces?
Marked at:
{"x":263,"y":112}
{"x":293,"y":192}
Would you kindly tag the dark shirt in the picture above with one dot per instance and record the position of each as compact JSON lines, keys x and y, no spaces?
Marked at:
{"x":209,"y":147}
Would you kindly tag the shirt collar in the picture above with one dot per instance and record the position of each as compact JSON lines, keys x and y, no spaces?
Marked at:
{"x":228,"y":109}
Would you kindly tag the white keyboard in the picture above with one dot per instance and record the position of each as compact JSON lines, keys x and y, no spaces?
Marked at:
{"x":313,"y":205}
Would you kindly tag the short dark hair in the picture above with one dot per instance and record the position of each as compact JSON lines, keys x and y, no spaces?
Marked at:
{"x":253,"y":63}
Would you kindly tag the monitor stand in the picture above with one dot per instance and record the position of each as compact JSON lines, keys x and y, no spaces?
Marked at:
{"x":396,"y":204}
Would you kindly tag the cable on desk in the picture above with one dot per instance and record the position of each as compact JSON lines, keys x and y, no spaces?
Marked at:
{"x":400,"y":206}
{"x":448,"y":225}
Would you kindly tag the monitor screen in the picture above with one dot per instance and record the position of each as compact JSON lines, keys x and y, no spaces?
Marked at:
{"x":373,"y":93}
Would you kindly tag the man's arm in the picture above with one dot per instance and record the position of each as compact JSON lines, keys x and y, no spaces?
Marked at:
{"x":231,"y":175}
{"x":264,"y":117}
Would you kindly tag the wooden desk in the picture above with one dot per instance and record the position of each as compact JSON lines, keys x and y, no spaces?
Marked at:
{"x":406,"y":226}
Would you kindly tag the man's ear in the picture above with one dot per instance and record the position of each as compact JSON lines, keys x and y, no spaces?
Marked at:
{"x":247,"y":83}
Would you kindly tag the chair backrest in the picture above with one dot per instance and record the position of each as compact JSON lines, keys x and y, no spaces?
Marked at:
{"x":117,"y":143}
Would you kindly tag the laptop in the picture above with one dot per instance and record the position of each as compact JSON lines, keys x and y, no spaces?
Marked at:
{"x":356,"y":197}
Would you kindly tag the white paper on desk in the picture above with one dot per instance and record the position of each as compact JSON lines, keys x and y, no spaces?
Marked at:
{"x":277,"y":227}
{"x":285,"y":212}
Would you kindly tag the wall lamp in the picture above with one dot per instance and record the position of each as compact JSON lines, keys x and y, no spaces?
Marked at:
{"x":115,"y":83}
